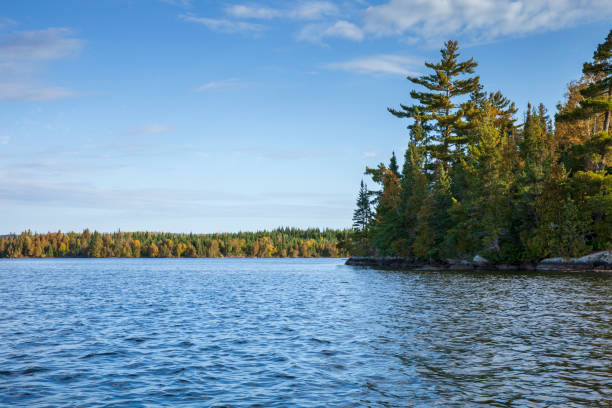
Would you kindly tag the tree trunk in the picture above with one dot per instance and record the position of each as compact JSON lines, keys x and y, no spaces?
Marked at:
{"x":606,"y":125}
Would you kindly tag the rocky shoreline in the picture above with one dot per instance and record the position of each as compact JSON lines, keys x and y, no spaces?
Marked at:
{"x":596,"y":262}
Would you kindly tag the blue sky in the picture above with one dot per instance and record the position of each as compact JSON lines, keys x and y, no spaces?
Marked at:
{"x":207,"y":116}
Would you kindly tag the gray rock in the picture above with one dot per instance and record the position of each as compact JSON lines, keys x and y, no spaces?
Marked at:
{"x":479,"y":260}
{"x":604,"y":257}
{"x":600,"y":261}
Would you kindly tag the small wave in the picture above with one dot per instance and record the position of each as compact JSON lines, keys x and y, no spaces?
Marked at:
{"x":104,"y":354}
{"x":320,"y":341}
{"x":136,"y":339}
{"x":284,"y":376}
{"x":67,"y":377}
{"x":34,"y":370}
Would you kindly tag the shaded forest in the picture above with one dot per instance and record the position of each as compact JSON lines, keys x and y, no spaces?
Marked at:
{"x":476,"y":181}
{"x":279,"y":243}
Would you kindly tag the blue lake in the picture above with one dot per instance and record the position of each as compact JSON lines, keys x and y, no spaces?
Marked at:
{"x":298,"y":332}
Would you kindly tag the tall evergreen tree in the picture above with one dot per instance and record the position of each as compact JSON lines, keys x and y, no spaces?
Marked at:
{"x":414,"y":188}
{"x":560,"y":230}
{"x":387,"y":227}
{"x":597,"y":94}
{"x":480,"y":218}
{"x":363,"y":213}
{"x":438,"y":109}
{"x":362,"y":217}
{"x":393,"y":164}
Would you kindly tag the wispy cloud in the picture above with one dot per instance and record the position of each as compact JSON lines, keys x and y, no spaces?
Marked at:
{"x":313,"y":10}
{"x":223,"y":25}
{"x":427,"y":21}
{"x":224,"y":83}
{"x":378,"y":64}
{"x":179,"y":3}
{"x":480,"y":20}
{"x":33,"y":92}
{"x":341,"y":29}
{"x":22,"y":55}
{"x":149,"y":129}
{"x":5,"y":140}
{"x":40,"y":45}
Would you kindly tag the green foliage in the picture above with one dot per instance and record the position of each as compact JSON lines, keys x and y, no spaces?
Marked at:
{"x":393,"y":165}
{"x":595,"y":154}
{"x":592,"y":192}
{"x":362,"y":218}
{"x":598,"y":93}
{"x":560,"y":231}
{"x":473,"y":182}
{"x":281,"y":242}
{"x":439,"y":110}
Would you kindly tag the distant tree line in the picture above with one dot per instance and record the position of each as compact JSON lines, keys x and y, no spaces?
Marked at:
{"x":475,"y":181}
{"x":279,"y":243}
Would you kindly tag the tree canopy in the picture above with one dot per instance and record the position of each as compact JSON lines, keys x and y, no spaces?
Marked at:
{"x":476,"y":181}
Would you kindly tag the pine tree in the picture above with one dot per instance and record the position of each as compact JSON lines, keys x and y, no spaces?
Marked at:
{"x":442,"y":204}
{"x":577,"y":131}
{"x":362,"y":216}
{"x":386,"y":228}
{"x":393,"y":164}
{"x":597,"y":94}
{"x":363,"y":213}
{"x":481,"y":218}
{"x":591,"y":191}
{"x":560,"y":231}
{"x":433,"y":220}
{"x":414,"y":187}
{"x":437,"y":109}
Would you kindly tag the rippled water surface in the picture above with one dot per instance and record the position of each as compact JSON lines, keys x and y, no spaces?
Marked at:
{"x":300,"y":332}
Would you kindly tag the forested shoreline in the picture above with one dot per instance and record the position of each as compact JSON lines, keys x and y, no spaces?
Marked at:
{"x":477,"y":182}
{"x":278,"y":243}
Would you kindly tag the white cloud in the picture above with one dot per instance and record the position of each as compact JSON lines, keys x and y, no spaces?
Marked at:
{"x":345,"y":29}
{"x":22,"y":55}
{"x":223,"y":25}
{"x":5,"y":140}
{"x":241,"y":11}
{"x":41,"y":45}
{"x":150,"y":129}
{"x":342,"y":29}
{"x":313,"y":10}
{"x":414,"y":20}
{"x":33,"y":92}
{"x":224,"y":83}
{"x":480,"y":19}
{"x":378,"y":64}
